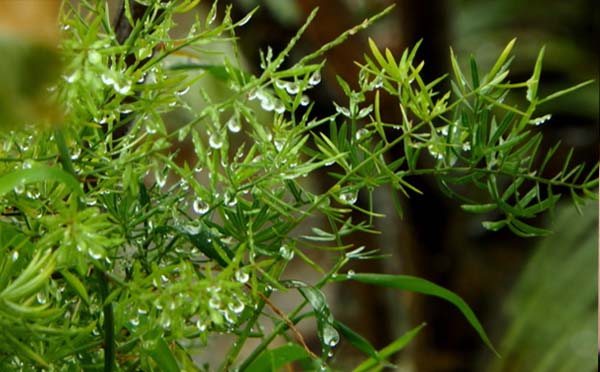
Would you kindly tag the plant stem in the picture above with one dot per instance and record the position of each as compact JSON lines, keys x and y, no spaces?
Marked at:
{"x":108,"y":325}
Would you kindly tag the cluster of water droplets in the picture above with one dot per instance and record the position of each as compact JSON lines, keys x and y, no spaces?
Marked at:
{"x":540,"y":120}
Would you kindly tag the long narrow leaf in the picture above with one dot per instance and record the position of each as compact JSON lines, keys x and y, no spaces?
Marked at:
{"x":414,"y":284}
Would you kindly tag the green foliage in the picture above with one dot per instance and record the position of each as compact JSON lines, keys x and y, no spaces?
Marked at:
{"x":116,"y":254}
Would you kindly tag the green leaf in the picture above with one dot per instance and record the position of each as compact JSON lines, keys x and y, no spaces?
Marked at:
{"x":534,"y":80}
{"x":479,"y":208}
{"x":414,"y":284}
{"x":371,"y":363}
{"x":275,"y":359}
{"x":77,"y":285}
{"x":37,"y":174}
{"x":327,"y":333}
{"x":500,"y":61}
{"x":163,"y":356}
{"x":357,"y":341}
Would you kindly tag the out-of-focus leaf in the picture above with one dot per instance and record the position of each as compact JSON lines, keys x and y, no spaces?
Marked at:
{"x":163,"y":356}
{"x":552,"y":310}
{"x":30,"y":62}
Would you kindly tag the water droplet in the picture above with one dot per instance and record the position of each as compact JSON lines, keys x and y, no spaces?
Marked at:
{"x":267,"y":104}
{"x":228,"y":317}
{"x":315,"y":78}
{"x":141,"y":311}
{"x":292,"y":88}
{"x":286,"y":252}
{"x":14,"y":256}
{"x":183,"y":91}
{"x":161,"y":178}
{"x":27,"y":164}
{"x":279,"y":107}
{"x":143,"y":53}
{"x":234,"y":125}
{"x":361,"y":133}
{"x":76,"y":153}
{"x":96,"y":253}
{"x":165,"y":323}
{"x":351,"y":273}
{"x":41,"y":298}
{"x":279,"y":144}
{"x":241,"y":276}
{"x":214,"y":302}
{"x":134,"y":321}
{"x":201,"y":326}
{"x":377,"y":83}
{"x":73,"y":77}
{"x":122,"y":89}
{"x":331,"y":337}
{"x":164,"y":279}
{"x":348,"y":197}
{"x":215,"y":141}
{"x":236,"y":306}
{"x":107,"y":80}
{"x":19,"y":189}
{"x":304,"y":100}
{"x":343,"y":110}
{"x":200,"y":206}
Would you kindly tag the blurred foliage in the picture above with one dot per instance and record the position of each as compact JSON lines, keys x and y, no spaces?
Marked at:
{"x":30,"y":62}
{"x":552,"y":310}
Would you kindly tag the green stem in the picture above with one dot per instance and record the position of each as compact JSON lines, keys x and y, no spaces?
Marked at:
{"x":108,"y":325}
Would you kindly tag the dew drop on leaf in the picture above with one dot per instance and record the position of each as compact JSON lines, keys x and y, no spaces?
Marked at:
{"x":304,"y":100}
{"x":234,"y":125}
{"x":315,"y":78}
{"x":215,"y":141}
{"x":361,"y":133}
{"x":183,"y":91}
{"x":200,"y":206}
{"x":41,"y":298}
{"x":286,"y":253}
{"x":267,"y":104}
{"x":348,"y":197}
{"x":279,"y":107}
{"x":241,"y":276}
{"x":292,"y":88}
{"x":331,"y":337}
